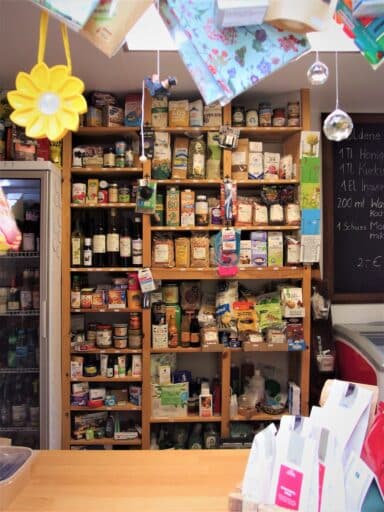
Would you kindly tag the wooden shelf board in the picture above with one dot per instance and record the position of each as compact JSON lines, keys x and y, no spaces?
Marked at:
{"x":267,"y":347}
{"x":260,"y":416}
{"x":179,"y":350}
{"x":195,"y":183}
{"x":106,"y":379}
{"x":103,"y":205}
{"x":187,"y":419}
{"x":104,"y":269}
{"x":107,"y":170}
{"x":106,"y":441}
{"x":269,"y":134}
{"x":128,"y":407}
{"x":252,"y":183}
{"x":214,"y":227}
{"x":244,"y":273}
{"x":106,"y":310}
{"x":107,"y":130}
{"x":108,"y":351}
{"x":187,"y":129}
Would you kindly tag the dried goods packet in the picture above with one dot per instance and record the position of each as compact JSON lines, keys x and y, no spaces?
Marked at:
{"x":200,"y":251}
{"x":162,"y":251}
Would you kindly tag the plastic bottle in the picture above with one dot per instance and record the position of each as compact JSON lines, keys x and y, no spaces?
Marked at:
{"x":257,"y":388}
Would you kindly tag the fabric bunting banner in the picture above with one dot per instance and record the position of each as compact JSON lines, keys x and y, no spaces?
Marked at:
{"x":226,"y":62}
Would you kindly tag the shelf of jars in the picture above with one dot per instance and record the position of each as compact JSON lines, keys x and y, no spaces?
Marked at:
{"x":215,"y":227}
{"x":110,"y":171}
{"x":18,"y":370}
{"x":105,"y":310}
{"x":104,"y":269}
{"x":114,"y":408}
{"x":190,"y":418}
{"x":107,"y":379}
{"x":259,"y":416}
{"x":106,"y":441}
{"x":240,"y":183}
{"x":20,"y":254}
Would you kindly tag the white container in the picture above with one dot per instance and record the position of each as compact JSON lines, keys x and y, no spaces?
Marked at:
{"x":15,"y":464}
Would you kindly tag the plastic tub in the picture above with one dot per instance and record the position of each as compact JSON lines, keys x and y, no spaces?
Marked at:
{"x":15,"y":470}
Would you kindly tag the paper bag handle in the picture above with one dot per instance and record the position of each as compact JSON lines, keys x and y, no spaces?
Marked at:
{"x":44,"y":18}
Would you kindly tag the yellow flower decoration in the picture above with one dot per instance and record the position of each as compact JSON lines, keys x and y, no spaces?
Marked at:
{"x":47,"y":101}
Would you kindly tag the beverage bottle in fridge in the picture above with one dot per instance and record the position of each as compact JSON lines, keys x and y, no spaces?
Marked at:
{"x":13,"y":302}
{"x":19,"y":406}
{"x":26,"y":290}
{"x":36,"y":289}
{"x":11,"y":357}
{"x":5,"y":405}
{"x":34,"y":407}
{"x":21,"y":349}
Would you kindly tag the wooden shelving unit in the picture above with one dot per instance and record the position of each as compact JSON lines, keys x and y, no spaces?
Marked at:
{"x":289,"y":140}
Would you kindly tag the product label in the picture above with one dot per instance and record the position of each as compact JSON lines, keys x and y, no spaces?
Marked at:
{"x":87,"y":258}
{"x":161,"y":253}
{"x":198,"y":164}
{"x":98,"y":243}
{"x":75,"y":299}
{"x":137,"y":252}
{"x":26,"y":299}
{"x":76,"y":252}
{"x":113,"y":244}
{"x":199,"y":253}
{"x":125,"y":247}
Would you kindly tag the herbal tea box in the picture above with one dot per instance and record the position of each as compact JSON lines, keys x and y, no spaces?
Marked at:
{"x":187,"y":209}
{"x":259,"y":248}
{"x":172,"y":207}
{"x":271,"y":166}
{"x":159,"y":112}
{"x":245,"y":252}
{"x":255,"y":166}
{"x":275,"y":248}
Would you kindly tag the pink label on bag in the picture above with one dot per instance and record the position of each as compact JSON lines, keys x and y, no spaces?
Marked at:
{"x":289,"y":488}
{"x":321,"y":482}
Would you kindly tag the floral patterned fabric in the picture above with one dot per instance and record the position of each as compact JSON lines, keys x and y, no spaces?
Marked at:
{"x":226,"y":62}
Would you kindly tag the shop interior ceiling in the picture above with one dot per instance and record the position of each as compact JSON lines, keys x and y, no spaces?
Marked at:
{"x":19,"y":26}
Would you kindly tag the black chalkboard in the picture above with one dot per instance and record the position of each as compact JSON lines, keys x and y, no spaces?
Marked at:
{"x":353,"y":212}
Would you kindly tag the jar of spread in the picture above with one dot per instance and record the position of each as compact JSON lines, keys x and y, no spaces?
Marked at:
{"x":238,"y":116}
{"x":265,"y":114}
{"x":123,"y":194}
{"x":102,"y":195}
{"x":134,"y":339}
{"x":120,"y":329}
{"x":278,"y":118}
{"x":91,"y":333}
{"x":252,"y":118}
{"x":170,"y":292}
{"x":120,"y":341}
{"x":293,"y":109}
{"x":201,"y":211}
{"x":104,"y":336}
{"x":120,"y":148}
{"x":86,"y":298}
{"x":134,"y":321}
{"x":90,"y":367}
{"x":113,"y":195}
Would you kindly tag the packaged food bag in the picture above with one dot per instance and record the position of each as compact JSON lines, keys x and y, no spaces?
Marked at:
{"x":10,"y":237}
{"x":372,"y":452}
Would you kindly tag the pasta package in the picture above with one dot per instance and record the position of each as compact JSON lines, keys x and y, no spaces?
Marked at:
{"x":182,"y":252}
{"x":161,"y":161}
{"x":200,"y":250}
{"x":162,"y":251}
{"x":178,"y":113}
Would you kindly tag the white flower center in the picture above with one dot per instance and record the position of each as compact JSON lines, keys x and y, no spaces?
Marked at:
{"x":48,"y":103}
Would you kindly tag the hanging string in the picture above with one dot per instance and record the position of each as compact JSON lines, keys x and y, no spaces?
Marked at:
{"x":337,"y":79}
{"x":158,"y":51}
{"x":317,"y":56}
{"x":142,"y":158}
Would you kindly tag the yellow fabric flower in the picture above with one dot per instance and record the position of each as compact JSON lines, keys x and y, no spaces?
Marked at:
{"x":47,"y":101}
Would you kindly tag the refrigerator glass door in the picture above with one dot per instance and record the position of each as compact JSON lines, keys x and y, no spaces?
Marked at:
{"x":20,"y":318}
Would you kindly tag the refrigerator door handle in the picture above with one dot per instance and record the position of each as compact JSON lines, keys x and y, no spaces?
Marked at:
{"x":44,"y":320}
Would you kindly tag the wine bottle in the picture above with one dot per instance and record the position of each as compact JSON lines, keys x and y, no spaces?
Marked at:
{"x":34,"y":407}
{"x":5,"y":406}
{"x":195,"y":332}
{"x":19,"y":406}
{"x":36,"y":289}
{"x":26,"y":290}
{"x":113,"y":240}
{"x":110,"y":426}
{"x":77,"y":244}
{"x":137,"y":243}
{"x":125,"y":244}
{"x":99,"y":244}
{"x":87,"y":253}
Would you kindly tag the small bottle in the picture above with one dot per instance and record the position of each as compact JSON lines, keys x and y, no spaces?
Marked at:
{"x":110,"y":366}
{"x":87,"y":252}
{"x":77,"y":243}
{"x":173,"y":336}
{"x":13,"y":301}
{"x":110,"y":426}
{"x":109,"y":157}
{"x":185,"y":331}
{"x":195,"y":441}
{"x":195,"y":332}
{"x":129,"y":158}
{"x":137,"y":243}
{"x":76,"y":293}
{"x":36,"y":290}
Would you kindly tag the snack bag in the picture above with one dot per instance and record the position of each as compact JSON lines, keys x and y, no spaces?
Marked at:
{"x":10,"y":236}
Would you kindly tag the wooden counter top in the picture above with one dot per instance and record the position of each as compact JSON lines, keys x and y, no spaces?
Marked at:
{"x":131,"y":481}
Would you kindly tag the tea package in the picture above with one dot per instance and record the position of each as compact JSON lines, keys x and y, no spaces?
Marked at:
{"x":161,"y":162}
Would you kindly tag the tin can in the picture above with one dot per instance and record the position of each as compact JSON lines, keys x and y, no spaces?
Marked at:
{"x":252,"y":118}
{"x":120,"y":148}
{"x":134,"y":321}
{"x":170,"y":293}
{"x":104,"y":336}
{"x":79,"y":193}
{"x":135,"y":338}
{"x":91,"y":333}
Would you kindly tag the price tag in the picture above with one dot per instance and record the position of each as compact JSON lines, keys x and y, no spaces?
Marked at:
{"x":146,"y":281}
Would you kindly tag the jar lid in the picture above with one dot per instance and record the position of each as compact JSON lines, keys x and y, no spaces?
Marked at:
{"x":103,"y":184}
{"x":201,"y":198}
{"x":112,"y":185}
{"x":102,"y":327}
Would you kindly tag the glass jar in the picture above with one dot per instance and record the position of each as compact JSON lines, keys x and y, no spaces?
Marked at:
{"x":109,"y":157}
{"x":201,"y":212}
{"x":278,"y":118}
{"x":124,"y":195}
{"x":120,"y":161}
{"x":252,"y":118}
{"x":102,"y":195}
{"x":238,"y":116}
{"x":113,"y":194}
{"x":104,"y":336}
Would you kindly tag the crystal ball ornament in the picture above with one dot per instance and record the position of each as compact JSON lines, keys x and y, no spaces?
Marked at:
{"x":338,"y":125}
{"x":317,"y":73}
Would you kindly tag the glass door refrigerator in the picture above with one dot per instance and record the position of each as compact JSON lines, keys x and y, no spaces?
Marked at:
{"x":30,"y":308}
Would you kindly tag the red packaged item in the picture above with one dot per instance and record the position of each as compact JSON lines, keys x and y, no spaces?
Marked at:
{"x":372,"y":452}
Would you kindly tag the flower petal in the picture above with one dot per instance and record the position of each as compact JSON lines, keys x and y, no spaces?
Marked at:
{"x":54,"y":127}
{"x":72,"y":86}
{"x":40,"y":76}
{"x":69,"y":118}
{"x":61,"y":135}
{"x":58,"y":75}
{"x":38,"y":127}
{"x":21,"y":100}
{"x":76,"y":103}
{"x":25,"y":84}
{"x":23,"y":116}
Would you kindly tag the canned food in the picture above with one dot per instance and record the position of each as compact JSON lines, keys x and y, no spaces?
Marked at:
{"x":98,"y":299}
{"x":134,"y":321}
{"x":79,"y":193}
{"x":86,"y":295}
{"x":120,"y":329}
{"x":134,"y":339}
{"x":120,"y":341}
{"x":124,"y":195}
{"x":104,"y":336}
{"x":170,"y":293}
{"x":120,"y":148}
